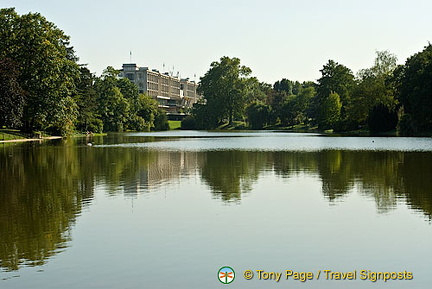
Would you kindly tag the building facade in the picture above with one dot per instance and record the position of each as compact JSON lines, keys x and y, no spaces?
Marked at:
{"x":175,"y":95}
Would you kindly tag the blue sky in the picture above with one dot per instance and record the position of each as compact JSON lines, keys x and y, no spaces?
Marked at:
{"x":275,"y":38}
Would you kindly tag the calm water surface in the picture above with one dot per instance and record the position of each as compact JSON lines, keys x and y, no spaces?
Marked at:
{"x":167,"y":210}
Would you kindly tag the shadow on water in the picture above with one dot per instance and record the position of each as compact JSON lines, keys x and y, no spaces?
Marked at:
{"x":45,"y":187}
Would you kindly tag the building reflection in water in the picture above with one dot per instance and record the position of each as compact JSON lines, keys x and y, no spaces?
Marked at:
{"x":45,"y":188}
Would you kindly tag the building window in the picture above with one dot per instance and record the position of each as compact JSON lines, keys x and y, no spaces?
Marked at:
{"x":130,"y":76}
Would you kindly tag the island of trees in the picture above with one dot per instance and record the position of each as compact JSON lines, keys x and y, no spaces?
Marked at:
{"x":44,"y":88}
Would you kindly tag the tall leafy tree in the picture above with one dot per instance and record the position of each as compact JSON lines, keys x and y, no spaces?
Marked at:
{"x":86,"y":99}
{"x":296,"y":107}
{"x":224,"y":88}
{"x":374,"y":89}
{"x":145,"y":115}
{"x":161,"y":120}
{"x":284,"y":85}
{"x":289,"y":111}
{"x":113,"y":107}
{"x":12,"y":99}
{"x":255,"y":90}
{"x":282,"y":90}
{"x":130,"y":92}
{"x":414,"y":85}
{"x":336,"y":79}
{"x":297,"y":87}
{"x":329,"y":111}
{"x":258,"y":114}
{"x":277,"y":99}
{"x":47,"y":69}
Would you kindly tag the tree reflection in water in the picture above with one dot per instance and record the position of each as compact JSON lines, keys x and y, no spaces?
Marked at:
{"x":44,"y":188}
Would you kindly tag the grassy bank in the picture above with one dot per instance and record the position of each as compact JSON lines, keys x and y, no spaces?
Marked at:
{"x":305,"y":128}
{"x":174,"y":124}
{"x":295,"y":128}
{"x":11,"y":134}
{"x":236,"y":125}
{"x":241,"y":125}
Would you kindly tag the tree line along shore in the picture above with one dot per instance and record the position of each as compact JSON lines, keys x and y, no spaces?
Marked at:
{"x":44,"y":89}
{"x":384,"y":99}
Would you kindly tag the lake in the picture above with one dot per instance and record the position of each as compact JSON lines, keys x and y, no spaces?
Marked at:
{"x":169,"y":209}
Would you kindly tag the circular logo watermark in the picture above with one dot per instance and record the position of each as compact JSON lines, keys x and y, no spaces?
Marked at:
{"x":226,"y":275}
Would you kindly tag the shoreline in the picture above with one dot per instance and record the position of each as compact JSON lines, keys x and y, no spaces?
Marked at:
{"x":31,"y":139}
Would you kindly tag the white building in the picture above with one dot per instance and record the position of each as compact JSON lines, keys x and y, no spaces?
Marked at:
{"x":173,"y":94}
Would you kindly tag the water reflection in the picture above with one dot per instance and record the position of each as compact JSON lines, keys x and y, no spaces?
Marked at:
{"x":231,"y":173}
{"x":40,"y":198}
{"x":44,"y":188}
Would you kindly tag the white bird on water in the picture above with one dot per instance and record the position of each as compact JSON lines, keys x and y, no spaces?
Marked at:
{"x":89,"y":144}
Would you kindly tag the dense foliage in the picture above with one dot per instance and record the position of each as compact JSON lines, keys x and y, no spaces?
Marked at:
{"x":44,"y":88}
{"x":380,"y":98}
{"x":46,"y":67}
{"x":414,"y":91}
{"x":11,"y":95}
{"x":225,"y":88}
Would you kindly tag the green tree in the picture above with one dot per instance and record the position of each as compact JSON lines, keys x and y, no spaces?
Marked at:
{"x":276,"y":100}
{"x":147,"y":111}
{"x":282,"y":90}
{"x":255,"y":90}
{"x":374,"y":89}
{"x":258,"y":114}
{"x":295,"y":109}
{"x":304,"y":102}
{"x":414,"y":87}
{"x":329,"y":111}
{"x":296,"y":88}
{"x":113,"y":107}
{"x":122,"y":107}
{"x":130,"y":91}
{"x":336,"y":78}
{"x":283,"y":85}
{"x":205,"y":117}
{"x":12,"y":99}
{"x":47,"y":69}
{"x":224,"y":88}
{"x":188,"y":122}
{"x":266,"y":88}
{"x":161,"y":120}
{"x":86,"y":99}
